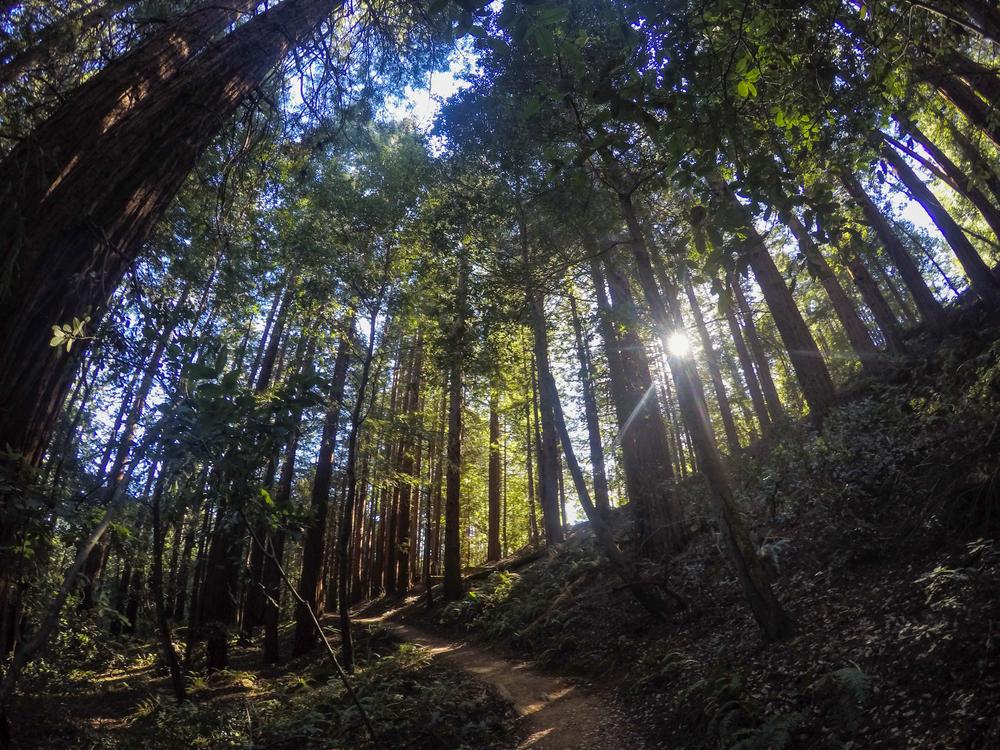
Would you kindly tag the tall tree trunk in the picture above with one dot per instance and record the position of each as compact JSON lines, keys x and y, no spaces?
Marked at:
{"x":976,"y":111}
{"x":867,"y":286}
{"x":960,"y":181}
{"x":760,"y":357}
{"x":166,"y":641}
{"x":930,"y":309}
{"x":548,"y":456}
{"x":344,"y":538}
{"x":712,"y":357}
{"x":453,"y":588}
{"x":601,"y":499}
{"x":983,"y":282}
{"x":857,"y":333}
{"x":493,"y":494}
{"x":409,"y":470}
{"x":311,"y":579}
{"x":746,"y":364}
{"x":657,"y":517}
{"x":102,"y":175}
{"x":810,"y":369}
{"x":770,"y":616}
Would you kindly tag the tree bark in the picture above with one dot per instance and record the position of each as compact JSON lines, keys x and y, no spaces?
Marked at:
{"x":103,"y":169}
{"x":493,"y":499}
{"x":982,"y":280}
{"x":311,"y":580}
{"x":601,"y":498}
{"x":453,"y":588}
{"x":884,"y":317}
{"x":857,"y":333}
{"x":810,"y":369}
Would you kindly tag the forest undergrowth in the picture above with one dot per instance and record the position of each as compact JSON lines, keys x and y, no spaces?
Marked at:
{"x":117,"y":695}
{"x":879,"y":533}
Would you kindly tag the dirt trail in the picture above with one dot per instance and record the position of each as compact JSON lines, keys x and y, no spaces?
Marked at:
{"x":555,"y":715}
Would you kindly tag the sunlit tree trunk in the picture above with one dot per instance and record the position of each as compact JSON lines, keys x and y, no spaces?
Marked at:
{"x":712,"y":357}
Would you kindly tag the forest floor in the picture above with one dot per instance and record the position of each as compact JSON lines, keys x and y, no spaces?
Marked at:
{"x":557,"y":712}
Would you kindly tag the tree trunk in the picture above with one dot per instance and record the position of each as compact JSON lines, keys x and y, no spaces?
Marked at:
{"x":493,"y":494}
{"x":104,"y":168}
{"x":959,"y":181}
{"x":976,"y":111}
{"x":166,"y":641}
{"x":453,"y":588}
{"x":848,"y":316}
{"x":760,"y":357}
{"x":884,"y":317}
{"x":983,"y":282}
{"x":409,"y":471}
{"x":746,"y":364}
{"x":343,"y":541}
{"x":712,"y":357}
{"x":311,"y":579}
{"x":657,"y":517}
{"x":810,"y":369}
{"x":601,"y":499}
{"x":770,"y":616}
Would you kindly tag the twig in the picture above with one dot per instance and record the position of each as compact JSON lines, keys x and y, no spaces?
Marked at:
{"x":319,"y":629}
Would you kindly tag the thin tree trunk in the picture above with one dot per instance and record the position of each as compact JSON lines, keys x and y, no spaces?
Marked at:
{"x":453,"y":588}
{"x":930,"y":309}
{"x":884,"y":317}
{"x":857,"y":333}
{"x":311,"y":579}
{"x":746,"y":363}
{"x":960,"y":181}
{"x":983,"y":282}
{"x":601,"y":499}
{"x":166,"y":640}
{"x":760,"y":357}
{"x":732,"y":436}
{"x":493,"y":494}
{"x":343,"y":541}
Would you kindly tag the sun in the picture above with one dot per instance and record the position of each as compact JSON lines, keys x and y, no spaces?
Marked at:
{"x":679,"y":345}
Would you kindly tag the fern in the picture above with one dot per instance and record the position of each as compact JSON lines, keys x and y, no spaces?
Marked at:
{"x":854,"y":687}
{"x":774,"y":734}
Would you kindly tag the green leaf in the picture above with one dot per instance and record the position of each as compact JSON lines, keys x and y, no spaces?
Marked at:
{"x":743,"y":89}
{"x":532,"y":108}
{"x":545,"y":40}
{"x":478,"y":31}
{"x":752,"y":89}
{"x":553,"y":15}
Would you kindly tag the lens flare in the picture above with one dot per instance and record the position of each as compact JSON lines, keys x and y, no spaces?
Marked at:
{"x":679,"y":345}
